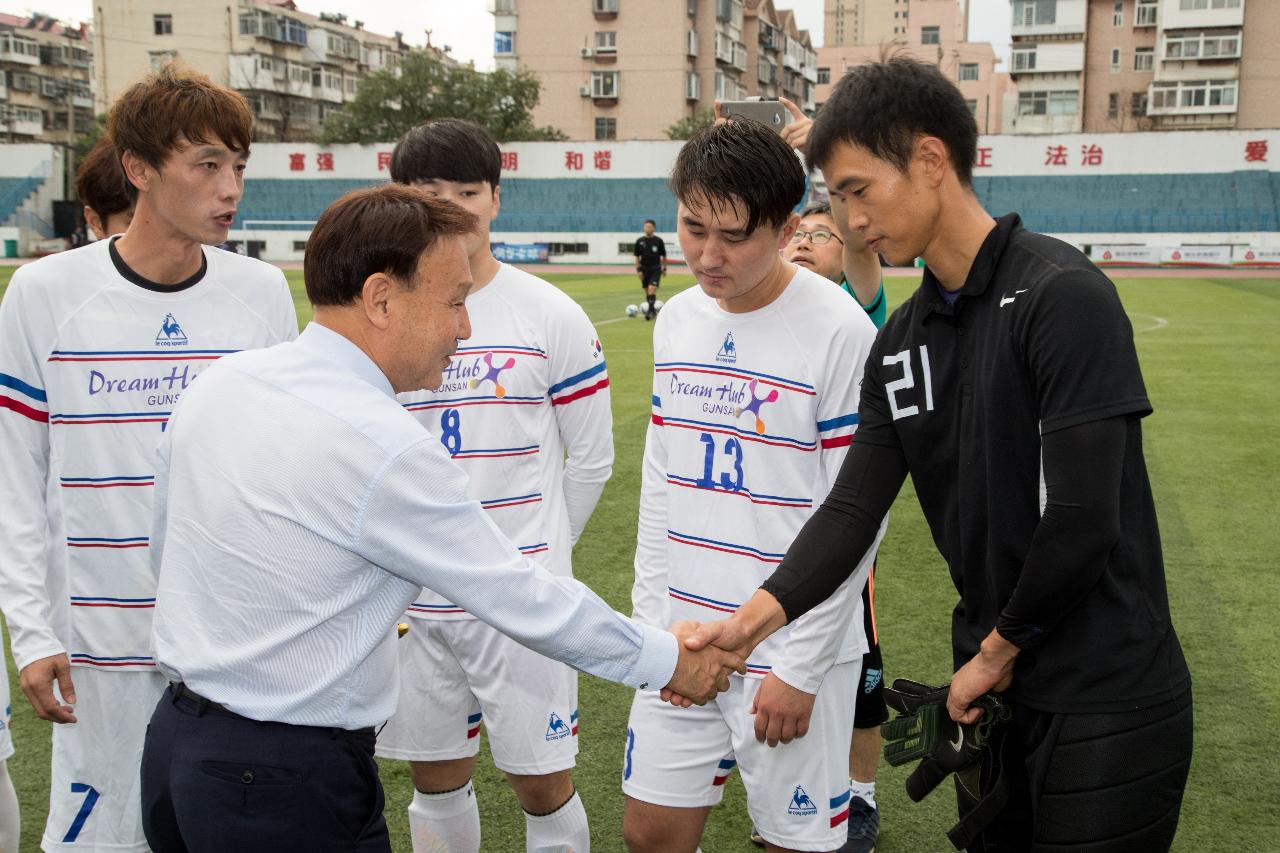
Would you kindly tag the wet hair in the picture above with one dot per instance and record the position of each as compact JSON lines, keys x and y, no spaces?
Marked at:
{"x":740,"y":162}
{"x":447,"y":149}
{"x":885,"y":106}
{"x":100,"y":181}
{"x":382,"y":229}
{"x":172,"y":107}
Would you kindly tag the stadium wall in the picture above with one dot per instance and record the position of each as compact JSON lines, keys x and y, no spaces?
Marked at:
{"x":30,"y":182}
{"x":1214,"y":195}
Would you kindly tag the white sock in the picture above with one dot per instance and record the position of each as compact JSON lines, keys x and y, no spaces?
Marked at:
{"x":562,"y":831}
{"x":866,"y":790}
{"x":10,"y":823}
{"x":445,"y":823}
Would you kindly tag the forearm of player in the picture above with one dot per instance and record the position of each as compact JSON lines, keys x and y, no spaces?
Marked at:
{"x":862,"y":271}
{"x":1077,"y":530}
{"x":825,"y":553}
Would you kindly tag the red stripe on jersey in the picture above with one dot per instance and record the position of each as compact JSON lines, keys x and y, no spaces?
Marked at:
{"x":719,"y":780}
{"x":96,"y":545}
{"x":101,"y":485}
{"x":657,"y":419}
{"x":79,"y":662}
{"x":473,"y":732}
{"x":24,"y":410}
{"x":109,"y":604}
{"x":840,"y":818}
{"x":838,"y":441}
{"x":581,"y":392}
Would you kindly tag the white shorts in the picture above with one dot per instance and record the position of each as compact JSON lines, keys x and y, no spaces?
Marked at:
{"x":94,"y":796}
{"x":6,"y":734}
{"x":453,"y":674}
{"x":797,"y":793}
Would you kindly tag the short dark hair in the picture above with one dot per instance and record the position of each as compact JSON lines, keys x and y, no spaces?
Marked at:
{"x":447,"y":149}
{"x":651,"y":222}
{"x":173,"y":104}
{"x":818,"y":208}
{"x":100,"y":181}
{"x":740,"y":162}
{"x":382,"y":229}
{"x":884,"y":106}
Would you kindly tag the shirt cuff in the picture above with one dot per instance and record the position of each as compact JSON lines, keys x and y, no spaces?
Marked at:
{"x":656,"y":664}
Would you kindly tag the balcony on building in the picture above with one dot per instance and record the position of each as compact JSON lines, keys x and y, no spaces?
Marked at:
{"x":1052,"y":57}
{"x":1192,"y":97}
{"x":502,"y":7}
{"x":1194,"y":46}
{"x":604,"y":10}
{"x":1202,"y":14}
{"x":22,"y":121}
{"x":1041,"y":18}
{"x":1146,"y":13}
{"x":14,"y":48}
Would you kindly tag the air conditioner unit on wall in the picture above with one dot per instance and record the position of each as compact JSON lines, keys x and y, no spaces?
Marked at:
{"x":585,"y":91}
{"x":587,"y":53}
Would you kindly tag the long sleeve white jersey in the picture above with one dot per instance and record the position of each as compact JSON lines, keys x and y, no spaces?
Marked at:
{"x":91,"y":365}
{"x":524,"y":409}
{"x":752,"y":416}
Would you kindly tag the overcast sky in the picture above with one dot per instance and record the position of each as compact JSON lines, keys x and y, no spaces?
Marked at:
{"x":467,"y":28}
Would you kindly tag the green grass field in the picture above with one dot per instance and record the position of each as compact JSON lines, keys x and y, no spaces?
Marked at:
{"x":1210,"y":352}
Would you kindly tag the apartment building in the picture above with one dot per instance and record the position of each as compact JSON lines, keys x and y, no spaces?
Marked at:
{"x":294,"y":68}
{"x":1126,"y":65}
{"x":45,"y":80}
{"x":629,"y":69}
{"x":862,"y":22}
{"x":933,"y":32}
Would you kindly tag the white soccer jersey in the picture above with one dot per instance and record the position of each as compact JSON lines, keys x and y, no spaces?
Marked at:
{"x":752,"y":416}
{"x":524,"y":409}
{"x":91,"y":364}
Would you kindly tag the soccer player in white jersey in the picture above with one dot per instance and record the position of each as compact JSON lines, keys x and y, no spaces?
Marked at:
{"x":755,"y":400}
{"x":96,"y":346}
{"x":524,"y":409}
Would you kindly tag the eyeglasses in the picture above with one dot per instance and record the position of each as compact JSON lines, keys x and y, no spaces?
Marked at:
{"x":817,"y":238}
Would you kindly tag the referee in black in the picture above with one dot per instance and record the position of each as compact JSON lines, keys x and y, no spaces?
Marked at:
{"x":651,"y":265}
{"x":1008,"y":387}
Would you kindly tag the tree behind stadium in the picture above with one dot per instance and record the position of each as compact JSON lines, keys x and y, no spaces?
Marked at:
{"x":394,"y":100}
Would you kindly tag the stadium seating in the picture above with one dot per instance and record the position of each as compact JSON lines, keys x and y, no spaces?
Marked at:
{"x":13,"y":192}
{"x":1232,"y":202}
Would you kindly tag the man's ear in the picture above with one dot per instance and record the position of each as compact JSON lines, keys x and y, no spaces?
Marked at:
{"x":788,"y":229}
{"x":932,"y":159}
{"x":137,"y":171}
{"x":375,"y":298}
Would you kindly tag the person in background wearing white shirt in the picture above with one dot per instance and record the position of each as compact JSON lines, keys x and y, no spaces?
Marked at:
{"x":96,"y":346}
{"x":523,"y":408}
{"x":300,"y":509}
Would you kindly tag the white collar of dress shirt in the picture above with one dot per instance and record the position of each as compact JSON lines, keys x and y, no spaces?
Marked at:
{"x":337,"y":348}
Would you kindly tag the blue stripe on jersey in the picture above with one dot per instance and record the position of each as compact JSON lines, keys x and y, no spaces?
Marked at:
{"x":731,"y":371}
{"x":837,"y":802}
{"x":496,"y":347}
{"x":657,"y":401}
{"x":17,"y":384}
{"x":117,"y":600}
{"x":835,"y":423}
{"x":749,"y":435}
{"x":147,"y":477}
{"x":167,"y":352}
{"x":576,"y":378}
{"x":727,"y":764}
{"x":474,"y":718}
{"x":718,"y":543}
{"x":774,"y":500}
{"x":701,"y":599}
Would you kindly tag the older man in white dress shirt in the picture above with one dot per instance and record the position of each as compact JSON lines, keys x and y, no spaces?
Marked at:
{"x":298,"y":511}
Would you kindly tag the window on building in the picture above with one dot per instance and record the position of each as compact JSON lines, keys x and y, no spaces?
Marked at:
{"x":161,"y":58}
{"x":1117,"y":14}
{"x":604,"y":84}
{"x":824,"y":76}
{"x":1115,"y":59}
{"x":968,"y":71}
{"x":504,"y":43}
{"x":604,"y":6}
{"x":1144,"y":58}
{"x":162,"y":24}
{"x":1024,"y":60}
{"x":606,"y":128}
{"x":930,"y":35}
{"x":1191,"y":5}
{"x":1113,"y":105}
{"x":606,"y":41}
{"x":1138,"y":104}
{"x":1145,"y":14}
{"x":1030,"y":13}
{"x":299,"y":245}
{"x":972,"y":105}
{"x":504,"y":7}
{"x":1048,"y":103}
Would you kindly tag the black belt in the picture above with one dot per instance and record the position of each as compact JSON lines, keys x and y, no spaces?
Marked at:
{"x":182,"y":691}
